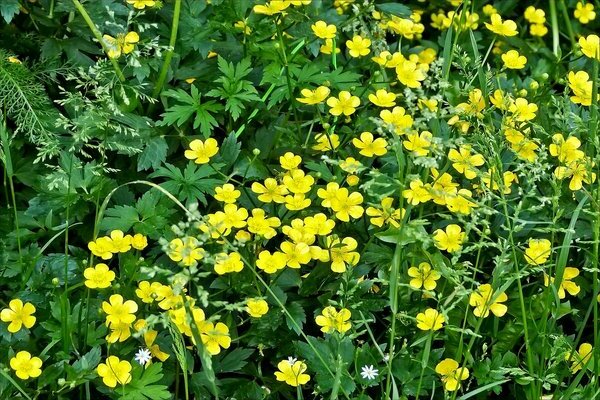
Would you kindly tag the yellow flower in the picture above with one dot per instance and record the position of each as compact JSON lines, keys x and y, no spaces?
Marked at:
{"x":423,"y":276}
{"x":538,"y":30}
{"x":323,"y":31}
{"x":481,"y":299}
{"x":341,"y":253}
{"x":19,"y":315}
{"x":452,"y":374}
{"x":332,"y":320}
{"x":590,"y":46}
{"x":567,"y":150}
{"x":200,"y":151}
{"x":327,"y":48}
{"x":227,"y":263}
{"x":242,"y":25}
{"x":155,"y":351}
{"x":566,"y":283}
{"x":141,"y":4}
{"x":489,"y":9}
{"x":398,"y":118}
{"x":98,"y":277}
{"x":25,"y":366}
{"x":502,"y":28}
{"x":418,"y":192}
{"x":296,"y":181}
{"x":358,"y":47}
{"x":442,"y":187}
{"x":578,"y":171}
{"x":326,"y":142}
{"x":227,"y":193}
{"x":383,"y":98}
{"x":101,"y":247}
{"x":271,"y":7}
{"x":491,"y":180}
{"x":430,"y":320}
{"x":214,"y":336}
{"x":14,"y":60}
{"x":585,"y":12}
{"x":500,"y":100}
{"x":464,"y":162}
{"x":114,"y":371}
{"x":345,"y":104}
{"x":148,"y":292}
{"x":418,"y":143}
{"x":386,"y":214}
{"x":535,"y":15}
{"x":122,"y":44}
{"x":410,"y":74}
{"x":347,"y":204}
{"x":185,"y":250}
{"x":292,"y":373}
{"x":118,"y":311}
{"x":513,"y":60}
{"x":460,"y":202}
{"x":139,"y":241}
{"x":290,"y":161}
{"x":260,"y":225}
{"x":580,"y":358}
{"x":451,"y":239}
{"x":296,"y":254}
{"x":538,"y":251}
{"x":257,"y":307}
{"x":523,"y":110}
{"x":271,"y":263}
{"x":314,"y":96}
{"x":270,"y":191}
{"x":581,"y":85}
{"x":369,"y":146}
{"x":119,"y":242}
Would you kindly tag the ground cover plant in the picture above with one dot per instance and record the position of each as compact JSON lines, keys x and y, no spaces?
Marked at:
{"x":299,"y":199}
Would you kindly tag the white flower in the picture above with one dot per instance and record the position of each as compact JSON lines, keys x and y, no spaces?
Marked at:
{"x":143,"y":356}
{"x":292,"y":360}
{"x":368,"y":372}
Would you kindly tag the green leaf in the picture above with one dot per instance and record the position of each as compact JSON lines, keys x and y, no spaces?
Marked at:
{"x":230,"y":150}
{"x":188,"y":105}
{"x":119,"y":217}
{"x":8,"y":9}
{"x":89,"y":361}
{"x":233,"y":360}
{"x":399,"y":10}
{"x":153,"y":155}
{"x":143,"y":384}
{"x":298,"y":317}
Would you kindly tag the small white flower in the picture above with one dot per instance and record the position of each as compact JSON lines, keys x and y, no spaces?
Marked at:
{"x":368,"y":372}
{"x":386,"y":358}
{"x":292,"y":360}
{"x":143,"y":356}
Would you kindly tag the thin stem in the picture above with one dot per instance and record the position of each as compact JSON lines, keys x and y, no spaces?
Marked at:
{"x":98,"y":35}
{"x":169,"y":54}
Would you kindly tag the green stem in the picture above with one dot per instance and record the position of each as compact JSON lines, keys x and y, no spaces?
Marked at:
{"x":555,"y":31}
{"x":98,"y":35}
{"x":565,"y":13}
{"x":169,"y":54}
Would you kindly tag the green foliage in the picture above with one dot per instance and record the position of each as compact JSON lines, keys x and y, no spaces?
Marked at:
{"x":189,"y":105}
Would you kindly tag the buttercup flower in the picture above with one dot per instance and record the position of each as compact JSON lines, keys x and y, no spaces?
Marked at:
{"x":227,"y":193}
{"x":257,"y":307}
{"x":292,"y":373}
{"x":314,"y":96}
{"x":452,"y":374}
{"x":580,"y":358}
{"x":227,"y":263}
{"x":19,"y":315}
{"x":122,"y":44}
{"x":481,"y":299}
{"x":369,"y":146}
{"x":345,"y":104}
{"x":538,"y":251}
{"x":214,"y":336}
{"x":114,"y":371}
{"x":98,"y":277}
{"x":513,"y":60}
{"x":450,"y":240}
{"x":332,"y":320}
{"x":423,"y":276}
{"x":25,"y":366}
{"x":502,"y":28}
{"x":358,"y":47}
{"x":323,"y":31}
{"x":590,"y":46}
{"x":383,"y":98}
{"x":430,"y":320}
{"x":201,"y":152}
{"x":566,"y":284}
{"x":141,"y":4}
{"x":584,"y":12}
{"x":119,"y":311}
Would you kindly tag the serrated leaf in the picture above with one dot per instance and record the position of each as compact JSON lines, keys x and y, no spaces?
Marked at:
{"x":153,"y":155}
{"x":8,"y":9}
{"x":230,"y":149}
{"x":298,"y":317}
{"x":233,"y":360}
{"x":143,"y":384}
{"x":190,"y":104}
{"x":119,"y":217}
{"x":399,"y":10}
